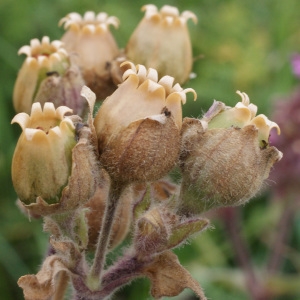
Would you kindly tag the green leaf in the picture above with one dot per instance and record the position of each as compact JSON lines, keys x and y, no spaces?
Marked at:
{"x":184,"y":230}
{"x":143,"y":204}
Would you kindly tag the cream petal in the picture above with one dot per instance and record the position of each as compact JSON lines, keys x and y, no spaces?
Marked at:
{"x":54,"y":58}
{"x":173,"y":104}
{"x":152,"y":74}
{"x":55,"y":132}
{"x":43,"y":61}
{"x":130,"y":71}
{"x":264,"y":126}
{"x":168,"y":20}
{"x":190,"y":90}
{"x":149,"y":10}
{"x":25,"y":50}
{"x":253,"y":109}
{"x":101,"y":28}
{"x":240,"y":115}
{"x":167,"y":82}
{"x":169,"y":11}
{"x":177,"y":88}
{"x":153,"y":88}
{"x":22,"y":119}
{"x":131,"y":77}
{"x":183,"y":93}
{"x":141,"y":72}
{"x":49,"y":110}
{"x":189,"y":15}
{"x":245,"y":98}
{"x":70,"y":19}
{"x":113,"y":21}
{"x":66,"y":126}
{"x":241,"y":105}
{"x":61,"y":111}
{"x":127,"y":73}
{"x":32,"y":63}
{"x":35,"y":43}
{"x":76,"y":17}
{"x":45,"y":40}
{"x":36,"y":109}
{"x":69,"y":24}
{"x":35,"y":135}
{"x":57,"y":44}
{"x":101,"y":17}
{"x":88,"y":29}
{"x":89,"y":16}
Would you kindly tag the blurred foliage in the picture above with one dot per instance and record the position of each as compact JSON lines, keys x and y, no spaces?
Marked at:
{"x":238,"y":45}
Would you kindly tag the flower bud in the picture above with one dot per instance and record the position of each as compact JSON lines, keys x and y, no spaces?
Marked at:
{"x":244,"y":113}
{"x":138,"y":126}
{"x":50,"y":171}
{"x":94,"y":48}
{"x":63,"y":90}
{"x":43,"y":156}
{"x":159,"y":229}
{"x":48,"y":65}
{"x":152,"y":232}
{"x":161,"y":41}
{"x":226,"y":163}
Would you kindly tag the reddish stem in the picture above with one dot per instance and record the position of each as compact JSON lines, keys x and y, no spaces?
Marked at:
{"x":231,"y":217}
{"x":282,"y":236}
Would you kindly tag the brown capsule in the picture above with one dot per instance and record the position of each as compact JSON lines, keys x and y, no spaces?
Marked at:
{"x":93,"y":48}
{"x":138,"y":126}
{"x":221,"y":166}
{"x":170,"y":53}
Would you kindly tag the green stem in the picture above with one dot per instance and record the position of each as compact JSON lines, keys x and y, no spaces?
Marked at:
{"x":94,"y":278}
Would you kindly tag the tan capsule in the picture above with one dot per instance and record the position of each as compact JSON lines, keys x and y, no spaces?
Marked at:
{"x":93,"y":48}
{"x":170,"y":52}
{"x":224,"y":166}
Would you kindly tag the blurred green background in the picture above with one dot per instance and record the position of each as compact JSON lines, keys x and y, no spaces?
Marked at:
{"x":241,"y":45}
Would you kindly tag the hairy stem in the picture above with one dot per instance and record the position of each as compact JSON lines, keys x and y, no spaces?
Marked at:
{"x":104,"y":236}
{"x":118,"y":275}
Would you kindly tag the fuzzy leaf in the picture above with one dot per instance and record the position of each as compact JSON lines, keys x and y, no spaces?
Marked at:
{"x":169,"y":278}
{"x":184,"y":230}
{"x":81,"y":228}
{"x":143,"y":204}
{"x":42,"y":285}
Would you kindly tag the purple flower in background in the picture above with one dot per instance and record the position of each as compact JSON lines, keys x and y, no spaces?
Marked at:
{"x":295,"y":61}
{"x":287,"y":115}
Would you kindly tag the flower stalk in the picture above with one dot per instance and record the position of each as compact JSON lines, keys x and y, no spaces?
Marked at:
{"x":94,"y":277}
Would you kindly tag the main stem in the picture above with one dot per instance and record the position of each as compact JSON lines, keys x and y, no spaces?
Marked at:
{"x":104,"y":235}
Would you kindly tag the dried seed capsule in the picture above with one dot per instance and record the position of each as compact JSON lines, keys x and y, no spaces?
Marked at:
{"x":138,"y":126}
{"x":170,"y":52}
{"x":52,"y":170}
{"x":93,"y":48}
{"x":47,"y":76}
{"x":225,"y":166}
